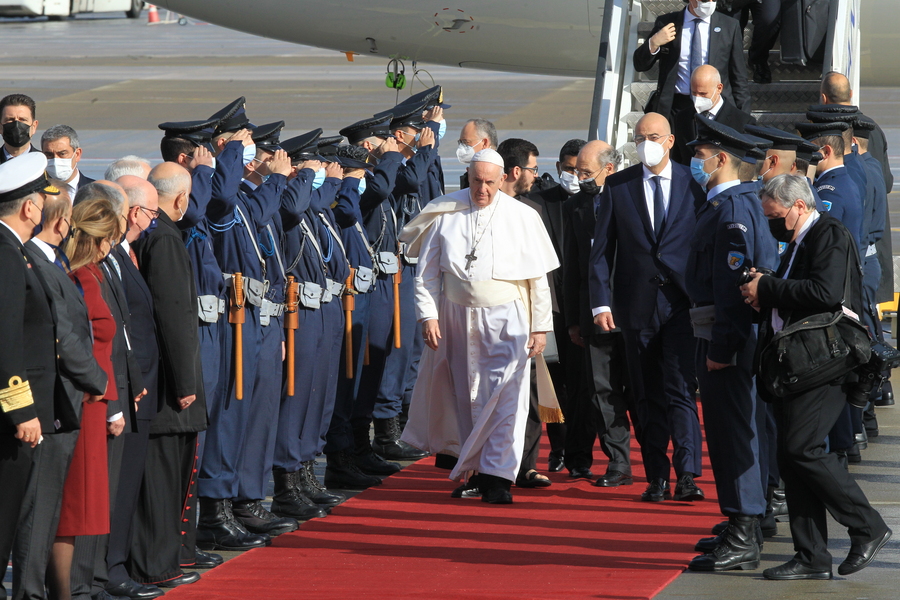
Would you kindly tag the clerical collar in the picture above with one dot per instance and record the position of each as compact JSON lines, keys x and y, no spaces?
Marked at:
{"x":721,"y":188}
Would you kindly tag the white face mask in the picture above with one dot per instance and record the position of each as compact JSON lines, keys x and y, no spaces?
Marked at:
{"x":651,"y":153}
{"x":705,"y":10}
{"x":702,"y":104}
{"x":60,"y":168}
{"x":465,"y":154}
{"x":569,"y":182}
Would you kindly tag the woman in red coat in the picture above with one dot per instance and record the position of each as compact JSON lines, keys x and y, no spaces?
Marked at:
{"x":85,"y":503}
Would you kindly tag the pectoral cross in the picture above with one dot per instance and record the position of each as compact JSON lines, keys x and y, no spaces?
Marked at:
{"x":469,"y":258}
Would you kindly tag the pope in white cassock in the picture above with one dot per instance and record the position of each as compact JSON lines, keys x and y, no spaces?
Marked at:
{"x":484,"y":302}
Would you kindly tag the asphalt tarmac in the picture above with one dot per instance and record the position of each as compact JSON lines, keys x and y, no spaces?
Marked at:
{"x":115,"y":79}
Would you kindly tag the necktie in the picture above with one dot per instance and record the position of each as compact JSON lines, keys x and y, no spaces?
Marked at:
{"x":112,"y":261}
{"x":659,"y":207}
{"x":596,"y":205}
{"x":133,"y":257}
{"x":696,"y":57}
{"x":785,"y":260}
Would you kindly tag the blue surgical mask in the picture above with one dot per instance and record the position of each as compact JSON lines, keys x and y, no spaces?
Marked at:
{"x":144,"y":233}
{"x":362,"y":185}
{"x":442,"y":129}
{"x":249,"y":154}
{"x":319,"y":179}
{"x":697,"y":172}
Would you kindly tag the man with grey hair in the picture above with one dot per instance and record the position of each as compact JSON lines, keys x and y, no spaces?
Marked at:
{"x":128,"y":165}
{"x":811,"y":280}
{"x":63,"y":151}
{"x":477,"y":135}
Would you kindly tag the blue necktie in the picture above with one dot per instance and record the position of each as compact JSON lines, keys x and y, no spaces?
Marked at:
{"x":659,"y":207}
{"x":696,"y":57}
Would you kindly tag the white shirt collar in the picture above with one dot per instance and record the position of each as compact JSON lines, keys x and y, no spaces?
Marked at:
{"x":829,"y":170}
{"x":5,"y":224}
{"x":249,"y":183}
{"x":714,"y":111}
{"x":666,"y":173}
{"x":806,"y":225}
{"x":721,"y":188}
{"x":73,"y":185}
{"x":45,"y":248}
{"x":126,"y":246}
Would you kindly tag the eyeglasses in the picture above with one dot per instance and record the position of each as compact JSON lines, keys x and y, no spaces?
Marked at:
{"x":653,"y":137}
{"x":532,"y":169}
{"x":586,"y":174}
{"x":154,"y":214}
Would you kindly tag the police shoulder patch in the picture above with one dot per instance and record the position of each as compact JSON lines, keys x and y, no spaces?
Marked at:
{"x":740,"y":226}
{"x":735,"y":260}
{"x":826,"y":186}
{"x":782,"y":246}
{"x":826,"y":204}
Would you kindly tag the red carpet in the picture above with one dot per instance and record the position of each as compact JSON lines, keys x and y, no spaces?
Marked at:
{"x":409,"y":539}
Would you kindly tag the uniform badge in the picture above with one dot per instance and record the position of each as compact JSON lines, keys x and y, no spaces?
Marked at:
{"x":717,"y":29}
{"x":782,"y":247}
{"x":735,"y":260}
{"x":826,"y":204}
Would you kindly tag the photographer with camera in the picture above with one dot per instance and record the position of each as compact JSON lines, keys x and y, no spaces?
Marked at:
{"x":812,"y":279}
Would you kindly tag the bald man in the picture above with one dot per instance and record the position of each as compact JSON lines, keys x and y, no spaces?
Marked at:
{"x":645,"y":220}
{"x":707,"y":98}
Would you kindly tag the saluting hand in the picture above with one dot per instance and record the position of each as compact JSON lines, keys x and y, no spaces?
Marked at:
{"x":426,"y":137}
{"x":389,"y":145}
{"x":431,"y":333}
{"x":245,"y":136}
{"x":436,"y":114}
{"x":280,"y":163}
{"x":662,"y":37}
{"x":334,"y":170}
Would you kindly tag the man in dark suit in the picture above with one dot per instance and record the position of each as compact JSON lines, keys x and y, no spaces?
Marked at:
{"x":684,"y":40}
{"x":644,"y":226}
{"x":63,"y":151}
{"x":811,"y":280}
{"x":166,"y":523}
{"x":706,"y":94}
{"x":28,"y":352}
{"x":79,"y":376}
{"x":598,"y":407}
{"x":17,"y":118}
{"x":567,"y":373}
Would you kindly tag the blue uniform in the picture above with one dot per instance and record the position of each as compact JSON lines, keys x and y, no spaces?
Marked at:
{"x":840,"y":196}
{"x":731,"y":233}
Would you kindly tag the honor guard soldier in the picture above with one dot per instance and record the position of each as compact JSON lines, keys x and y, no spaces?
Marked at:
{"x":418,"y":146}
{"x":789,"y":153}
{"x":432,"y":103}
{"x":28,"y":353}
{"x":304,"y":403}
{"x":834,"y":113}
{"x":379,"y":222}
{"x":731,"y":234}
{"x":234,"y":218}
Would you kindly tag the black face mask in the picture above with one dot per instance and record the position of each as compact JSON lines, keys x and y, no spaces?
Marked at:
{"x":778,"y":229}
{"x":590,"y":187}
{"x":16,"y":133}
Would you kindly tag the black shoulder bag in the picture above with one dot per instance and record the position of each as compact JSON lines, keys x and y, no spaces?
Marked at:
{"x":816,"y":351}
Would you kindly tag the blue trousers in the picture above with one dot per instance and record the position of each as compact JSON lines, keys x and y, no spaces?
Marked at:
{"x":212,"y":364}
{"x":262,"y":421}
{"x":330,"y":359}
{"x":731,"y":422}
{"x":226,"y":434}
{"x":380,"y":336}
{"x":398,"y":360}
{"x":292,"y":414}
{"x":340,"y":432}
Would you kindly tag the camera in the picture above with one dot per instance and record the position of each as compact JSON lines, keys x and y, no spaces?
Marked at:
{"x":884,"y":357}
{"x":746,"y":276}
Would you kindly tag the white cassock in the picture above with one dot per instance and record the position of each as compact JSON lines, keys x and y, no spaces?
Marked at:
{"x":471,"y":398}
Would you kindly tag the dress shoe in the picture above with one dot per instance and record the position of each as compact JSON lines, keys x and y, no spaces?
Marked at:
{"x":256,"y":519}
{"x":533,"y":479}
{"x":289,"y":502}
{"x":217,"y":528}
{"x":762,"y":73}
{"x":738,"y":549}
{"x":387,"y":443}
{"x":708,"y":544}
{"x":657,"y":491}
{"x":133,"y":589}
{"x":183,"y":579}
{"x":371,"y":464}
{"x":204,"y":560}
{"x":309,"y":485}
{"x":613,"y":478}
{"x":794,"y":570}
{"x":779,"y":505}
{"x":686,"y":490}
{"x":581,"y":473}
{"x":886,"y":398}
{"x":494,"y":490}
{"x":862,"y":555}
{"x":556,"y":461}
{"x":343,"y":474}
{"x":854,"y":455}
{"x":719,"y":528}
{"x":861,"y":440}
{"x":469,"y":489}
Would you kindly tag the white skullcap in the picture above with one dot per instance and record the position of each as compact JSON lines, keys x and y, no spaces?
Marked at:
{"x":489,"y":155}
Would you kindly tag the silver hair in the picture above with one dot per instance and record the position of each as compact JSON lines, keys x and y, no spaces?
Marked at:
{"x":127,"y":165}
{"x":171,"y":186}
{"x":485,"y":129}
{"x":610,"y":155}
{"x":95,"y":190}
{"x":787,"y":189}
{"x":137,"y":195}
{"x":61,"y":131}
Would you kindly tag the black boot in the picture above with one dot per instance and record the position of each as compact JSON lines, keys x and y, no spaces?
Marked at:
{"x":288,"y":501}
{"x":204,"y":560}
{"x":708,"y":544}
{"x":310,"y":487}
{"x":256,"y":519}
{"x":217,"y":528}
{"x":768,"y":525}
{"x":342,"y":473}
{"x":365,"y":458}
{"x":779,"y":505}
{"x":494,"y":490}
{"x":387,"y":442}
{"x":738,"y":550}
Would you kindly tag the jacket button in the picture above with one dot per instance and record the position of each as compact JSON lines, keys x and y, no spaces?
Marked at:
{"x":659,"y":255}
